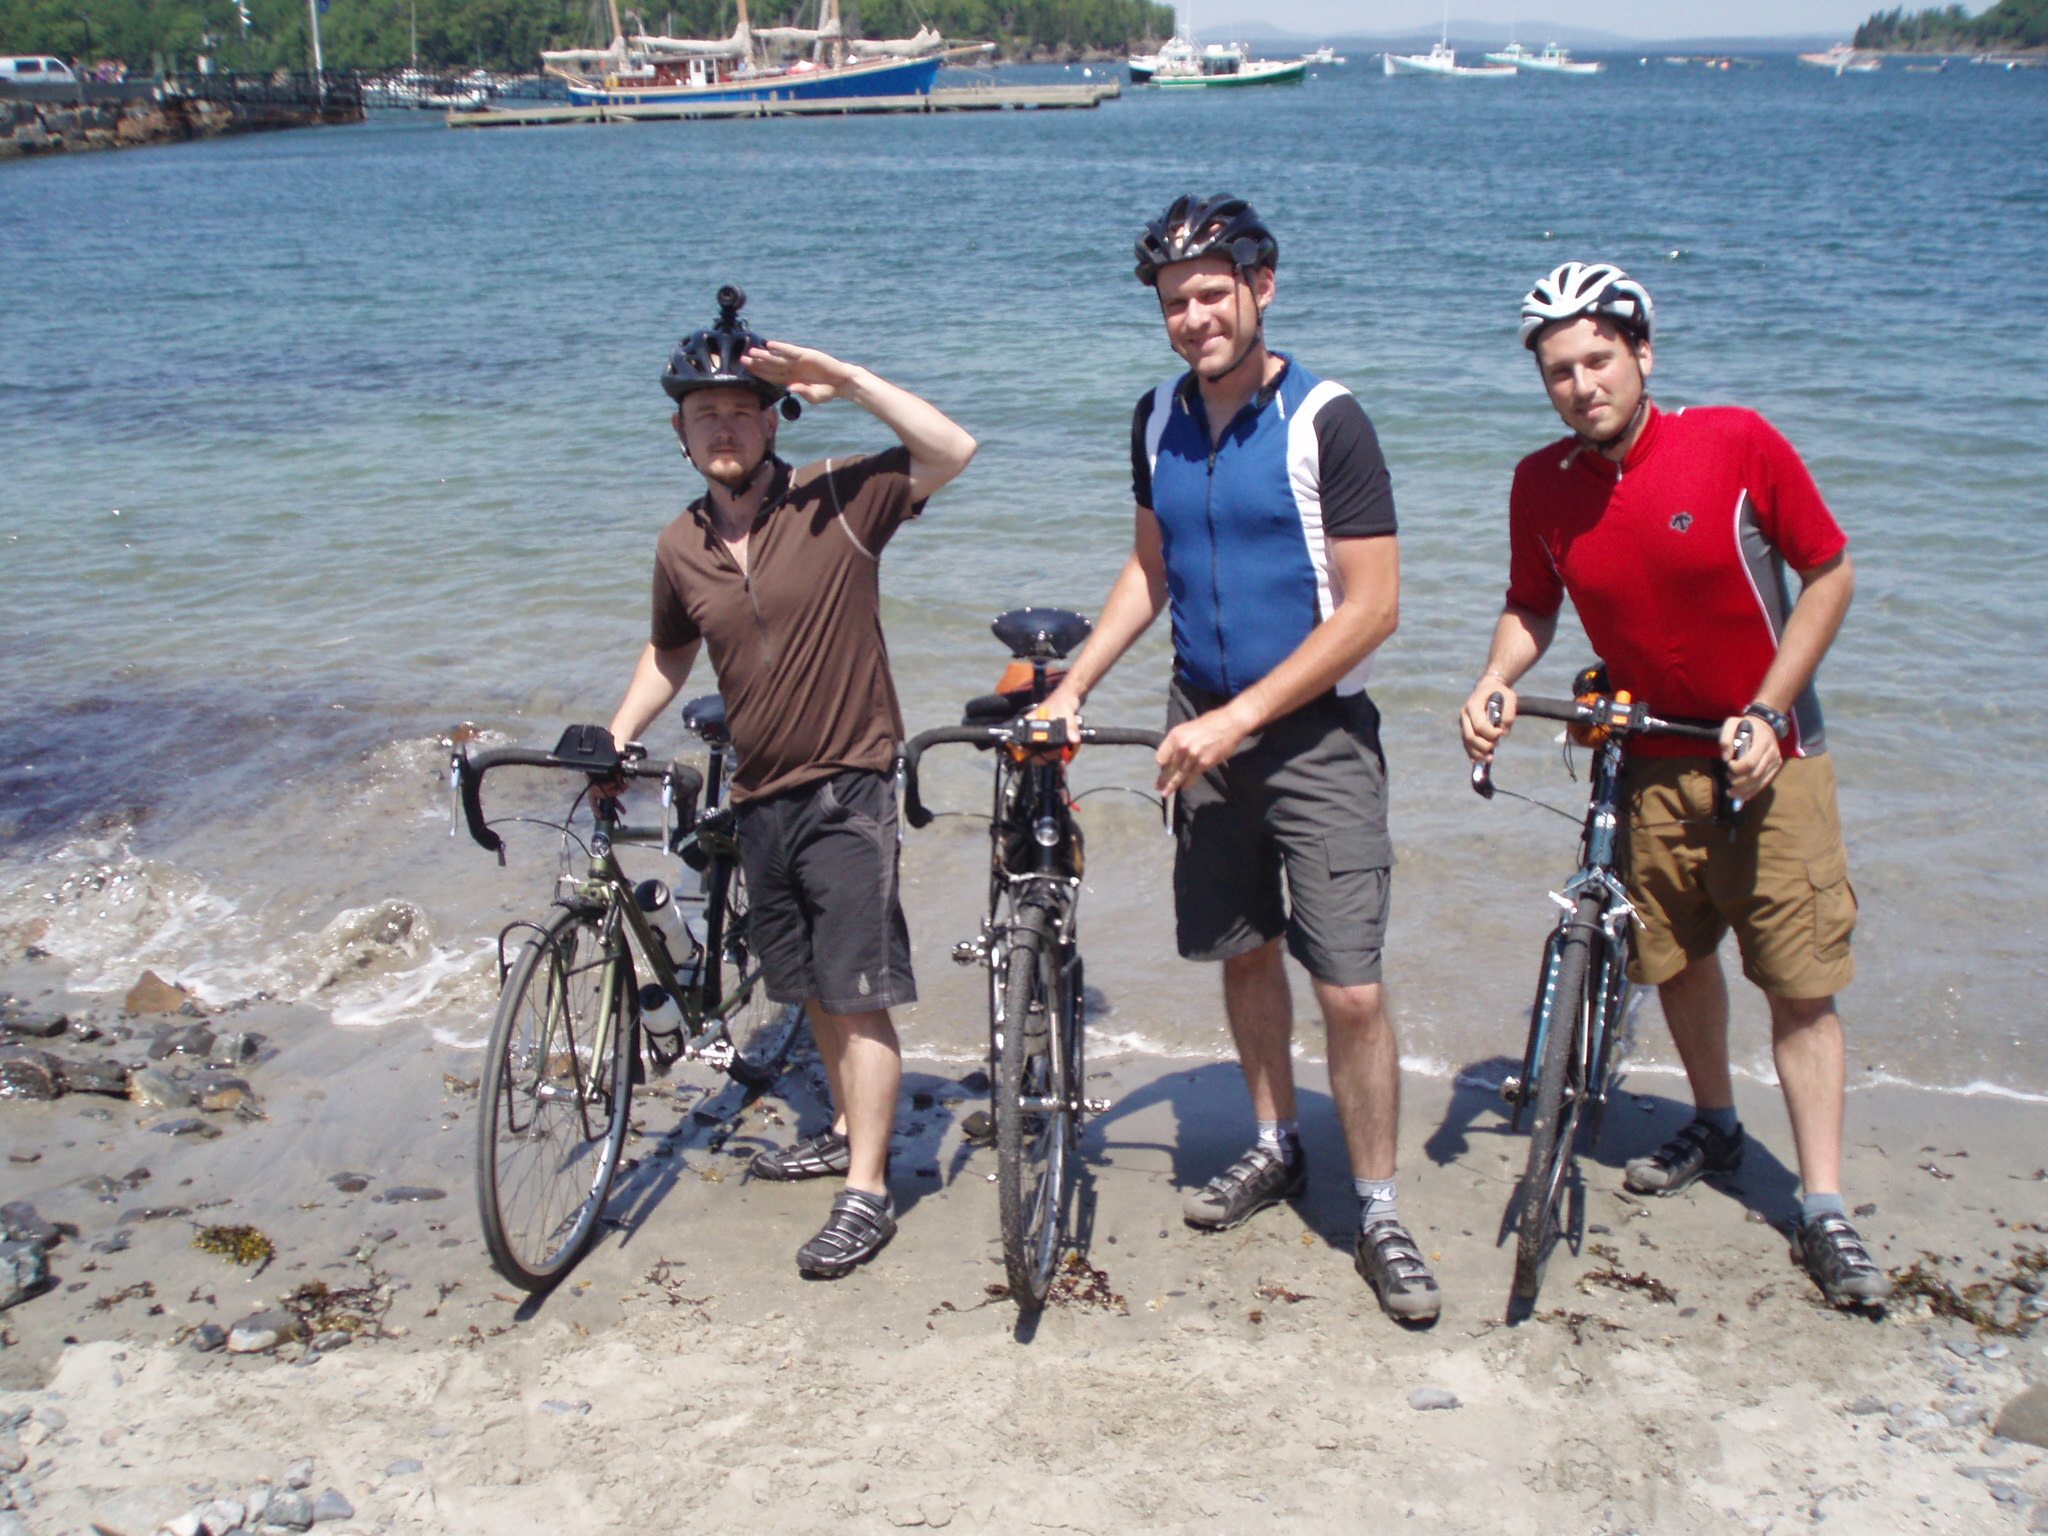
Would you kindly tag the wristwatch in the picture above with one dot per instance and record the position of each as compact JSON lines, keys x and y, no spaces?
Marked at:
{"x":1780,"y":724}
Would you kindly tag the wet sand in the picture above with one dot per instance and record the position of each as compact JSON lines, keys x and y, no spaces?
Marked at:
{"x":687,"y":1377}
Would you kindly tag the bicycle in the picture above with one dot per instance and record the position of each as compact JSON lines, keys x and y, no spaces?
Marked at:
{"x":1582,"y":1021}
{"x":1028,"y":942}
{"x":564,"y":1050}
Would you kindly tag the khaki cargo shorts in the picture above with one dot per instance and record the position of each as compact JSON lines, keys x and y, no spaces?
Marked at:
{"x":1782,"y":883}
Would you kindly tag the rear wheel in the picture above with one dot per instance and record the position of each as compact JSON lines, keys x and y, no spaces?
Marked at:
{"x":1560,"y":1098}
{"x":1036,"y":1114}
{"x":556,"y":1089}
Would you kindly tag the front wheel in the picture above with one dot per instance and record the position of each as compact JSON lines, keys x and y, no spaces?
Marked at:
{"x":554,"y":1099}
{"x":1037,"y":1116}
{"x":1560,"y":1095}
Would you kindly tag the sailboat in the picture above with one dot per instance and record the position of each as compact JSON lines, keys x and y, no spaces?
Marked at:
{"x":1441,"y":62}
{"x":754,"y":64}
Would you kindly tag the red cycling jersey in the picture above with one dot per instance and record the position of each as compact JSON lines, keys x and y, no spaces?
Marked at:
{"x":1676,"y":560}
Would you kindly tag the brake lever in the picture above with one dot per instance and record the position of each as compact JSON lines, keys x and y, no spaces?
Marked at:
{"x":1482,"y":773}
{"x":455,"y":792}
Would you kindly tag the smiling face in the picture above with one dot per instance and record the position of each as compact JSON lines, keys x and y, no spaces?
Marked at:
{"x":1595,"y":375}
{"x":1212,"y":312}
{"x":727,"y":432}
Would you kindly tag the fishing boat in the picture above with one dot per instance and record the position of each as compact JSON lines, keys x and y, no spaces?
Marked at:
{"x":1553,"y":60}
{"x":1325,"y":55}
{"x":1843,"y":60}
{"x":1227,"y":66}
{"x":754,"y":64}
{"x":1441,"y":63}
{"x":1175,"y":51}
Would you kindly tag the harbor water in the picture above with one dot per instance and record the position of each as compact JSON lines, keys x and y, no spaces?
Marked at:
{"x":315,"y":445}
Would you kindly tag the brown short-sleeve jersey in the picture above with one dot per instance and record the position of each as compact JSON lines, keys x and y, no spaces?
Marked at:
{"x":796,"y":638}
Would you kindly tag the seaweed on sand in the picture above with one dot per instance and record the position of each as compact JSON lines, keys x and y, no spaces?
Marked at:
{"x":239,"y":1245}
{"x":1977,"y":1303}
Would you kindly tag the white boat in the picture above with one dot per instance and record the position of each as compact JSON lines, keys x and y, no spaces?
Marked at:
{"x":435,"y":93}
{"x":754,"y":64}
{"x":1325,"y":55}
{"x":1227,"y":66}
{"x":1176,"y":51}
{"x":1441,"y":63}
{"x":1844,"y":60}
{"x":1553,"y":60}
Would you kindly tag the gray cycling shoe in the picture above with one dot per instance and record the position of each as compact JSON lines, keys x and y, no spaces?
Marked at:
{"x":1831,"y":1250}
{"x":818,"y":1157}
{"x":1697,"y":1150}
{"x":1260,"y":1178}
{"x":1393,"y":1266}
{"x":859,"y":1227}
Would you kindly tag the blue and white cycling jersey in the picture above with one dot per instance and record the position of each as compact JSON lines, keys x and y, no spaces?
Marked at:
{"x":1246,"y":526}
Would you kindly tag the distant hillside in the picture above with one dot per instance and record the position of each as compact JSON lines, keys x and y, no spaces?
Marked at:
{"x":509,"y":34}
{"x":2008,"y":24}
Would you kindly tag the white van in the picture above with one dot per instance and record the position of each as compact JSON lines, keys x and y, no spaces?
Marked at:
{"x":32,"y":68}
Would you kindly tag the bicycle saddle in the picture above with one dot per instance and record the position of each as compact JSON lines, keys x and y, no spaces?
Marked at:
{"x":706,"y":716}
{"x":1047,"y":633}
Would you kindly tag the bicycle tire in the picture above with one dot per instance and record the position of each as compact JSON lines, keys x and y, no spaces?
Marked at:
{"x":1033,"y":1148}
{"x":552,"y":1116}
{"x":1555,"y":1128}
{"x":763,"y":1032}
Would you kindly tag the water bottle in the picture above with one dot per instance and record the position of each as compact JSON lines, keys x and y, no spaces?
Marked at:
{"x":665,"y":917}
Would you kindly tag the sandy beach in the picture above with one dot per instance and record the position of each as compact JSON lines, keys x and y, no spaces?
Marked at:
{"x":1680,"y":1375}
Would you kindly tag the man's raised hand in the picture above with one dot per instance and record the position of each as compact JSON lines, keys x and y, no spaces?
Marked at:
{"x":812,"y":376}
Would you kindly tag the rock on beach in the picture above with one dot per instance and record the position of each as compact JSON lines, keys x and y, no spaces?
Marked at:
{"x":29,"y":1073}
{"x":152,"y":994}
{"x":2026,"y":1416}
{"x":24,"y":1271}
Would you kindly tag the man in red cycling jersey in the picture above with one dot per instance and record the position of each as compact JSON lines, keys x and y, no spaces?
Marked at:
{"x":1671,"y":533}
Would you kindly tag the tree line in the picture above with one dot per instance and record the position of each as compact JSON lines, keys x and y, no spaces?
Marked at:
{"x":2008,"y":24}
{"x":510,"y":34}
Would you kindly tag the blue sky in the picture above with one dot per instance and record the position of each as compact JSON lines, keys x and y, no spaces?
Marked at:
{"x":1630,"y":18}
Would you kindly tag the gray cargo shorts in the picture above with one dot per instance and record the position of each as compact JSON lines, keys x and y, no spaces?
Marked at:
{"x":1305,"y":797}
{"x":826,"y":923}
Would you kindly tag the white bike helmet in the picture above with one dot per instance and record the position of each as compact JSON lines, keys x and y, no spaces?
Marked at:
{"x":1588,"y":288}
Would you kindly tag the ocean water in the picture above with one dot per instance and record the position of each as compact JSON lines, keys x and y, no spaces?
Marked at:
{"x":313,"y":445}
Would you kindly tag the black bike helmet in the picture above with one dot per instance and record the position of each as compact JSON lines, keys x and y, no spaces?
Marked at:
{"x":1192,"y":228}
{"x":711,"y":359}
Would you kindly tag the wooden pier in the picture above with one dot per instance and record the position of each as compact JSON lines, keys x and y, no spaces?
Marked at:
{"x":967,"y":98}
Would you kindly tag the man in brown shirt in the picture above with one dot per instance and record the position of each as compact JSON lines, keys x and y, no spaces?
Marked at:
{"x":775,"y":570}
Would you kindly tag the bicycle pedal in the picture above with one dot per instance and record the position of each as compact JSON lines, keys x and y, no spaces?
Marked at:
{"x":1095,"y":1106}
{"x":970,"y":952}
{"x":1513,"y":1091}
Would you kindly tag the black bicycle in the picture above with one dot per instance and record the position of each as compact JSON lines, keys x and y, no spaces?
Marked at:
{"x":1029,"y":944}
{"x":566,"y":1046}
{"x":1582,"y":1021}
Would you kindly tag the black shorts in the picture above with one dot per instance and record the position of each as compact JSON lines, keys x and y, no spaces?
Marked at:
{"x":1307,"y":797}
{"x":826,"y":923}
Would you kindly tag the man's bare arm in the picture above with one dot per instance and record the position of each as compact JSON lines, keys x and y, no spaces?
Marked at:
{"x":1134,"y":601}
{"x":1370,"y":573}
{"x":1825,"y":591}
{"x":657,"y":679}
{"x":1520,"y":638}
{"x":939,"y":446}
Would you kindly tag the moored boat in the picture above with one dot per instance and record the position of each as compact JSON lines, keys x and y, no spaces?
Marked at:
{"x":1441,"y":63}
{"x":1553,"y":60}
{"x":1221,"y":66}
{"x":754,"y":64}
{"x":1844,"y":60}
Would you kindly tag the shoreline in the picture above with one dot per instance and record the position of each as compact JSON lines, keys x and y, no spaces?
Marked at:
{"x":904,"y":1394}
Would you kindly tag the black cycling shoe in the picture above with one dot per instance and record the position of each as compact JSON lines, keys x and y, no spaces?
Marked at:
{"x":1832,"y":1251}
{"x":818,"y":1157}
{"x":859,"y":1227}
{"x":1260,"y":1178}
{"x":1393,"y":1266}
{"x":1698,"y":1149}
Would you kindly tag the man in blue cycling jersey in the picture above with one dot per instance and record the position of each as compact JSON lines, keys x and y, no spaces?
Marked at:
{"x":1265,"y":520}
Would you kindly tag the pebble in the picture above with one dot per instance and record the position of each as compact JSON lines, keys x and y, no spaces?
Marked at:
{"x":331,"y":1340}
{"x":157,"y":1090}
{"x":194,"y":1126}
{"x":1424,"y":1399}
{"x":289,"y":1508}
{"x":406,"y":1193}
{"x":152,"y":994}
{"x":262,"y":1331}
{"x":975,"y":1081}
{"x":1866,"y":1405}
{"x":300,"y":1473}
{"x":221,"y":1516}
{"x":24,"y":1271}
{"x":405,"y":1466}
{"x":232,"y":1047}
{"x":332,"y":1505}
{"x":350,"y":1183}
{"x":221,"y":1090}
{"x":1962,"y":1347}
{"x":209,"y":1338}
{"x":2026,"y":1417}
{"x":104,"y":1077}
{"x":14,"y":1525}
{"x":23,"y":1224}
{"x":36,"y":1026}
{"x":143,"y":1213}
{"x":24,"y":1155}
{"x":12,"y":1457}
{"x":556,"y":1405}
{"x":27,"y":1073}
{"x":113,"y":1242}
{"x":1996,"y":1351}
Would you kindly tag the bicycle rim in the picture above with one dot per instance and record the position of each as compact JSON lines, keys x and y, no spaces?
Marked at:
{"x":1560,"y":1097}
{"x":554,"y":1099}
{"x":763,"y":1032}
{"x":1033,"y":1146}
